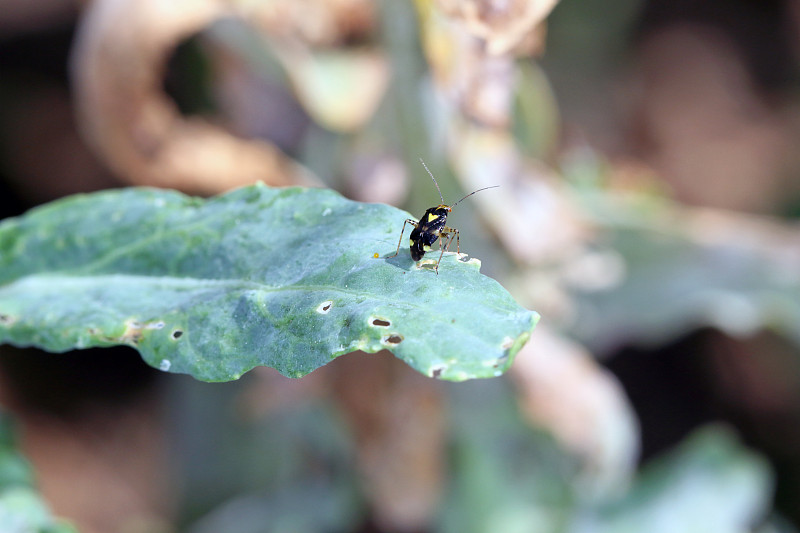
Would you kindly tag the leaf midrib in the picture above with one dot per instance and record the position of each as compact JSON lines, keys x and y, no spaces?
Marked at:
{"x":200,"y":283}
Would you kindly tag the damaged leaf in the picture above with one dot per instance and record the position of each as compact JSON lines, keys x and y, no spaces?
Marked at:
{"x":285,"y":278}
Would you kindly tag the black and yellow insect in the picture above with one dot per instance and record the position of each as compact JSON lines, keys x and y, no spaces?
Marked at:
{"x":432,"y":226}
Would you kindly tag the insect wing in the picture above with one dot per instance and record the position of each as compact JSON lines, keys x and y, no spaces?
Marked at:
{"x":417,"y":245}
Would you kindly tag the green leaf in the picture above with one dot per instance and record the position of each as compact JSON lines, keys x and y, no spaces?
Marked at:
{"x":710,"y":483}
{"x":230,"y":485}
{"x":506,"y":475}
{"x":14,"y":469}
{"x":23,"y":511}
{"x":510,"y":477}
{"x":284,"y":278}
{"x":673,"y":280}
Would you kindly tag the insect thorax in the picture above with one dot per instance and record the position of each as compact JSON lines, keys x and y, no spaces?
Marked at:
{"x":434,"y":219}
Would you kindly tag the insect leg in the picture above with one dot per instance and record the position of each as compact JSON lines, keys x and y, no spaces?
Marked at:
{"x":450,"y":231}
{"x":444,"y":247}
{"x":408,"y":221}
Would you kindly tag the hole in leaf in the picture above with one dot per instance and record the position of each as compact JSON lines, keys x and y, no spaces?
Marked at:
{"x":5,"y":319}
{"x":177,"y":334}
{"x":392,"y":339}
{"x":437,"y":371}
{"x":380,"y":322}
{"x":324,"y":307}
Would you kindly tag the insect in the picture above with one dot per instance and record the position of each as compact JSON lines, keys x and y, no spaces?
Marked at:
{"x":432,"y":226}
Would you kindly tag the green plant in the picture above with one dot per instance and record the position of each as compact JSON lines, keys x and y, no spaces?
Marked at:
{"x":285,"y":278}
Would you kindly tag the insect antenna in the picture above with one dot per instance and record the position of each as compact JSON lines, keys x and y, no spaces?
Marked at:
{"x":434,"y":179}
{"x":473,"y":192}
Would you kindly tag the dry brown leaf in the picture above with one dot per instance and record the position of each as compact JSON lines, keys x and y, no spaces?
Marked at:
{"x":119,"y":58}
{"x":564,"y":390}
{"x":479,"y":84}
{"x":531,"y":213}
{"x":398,"y":418}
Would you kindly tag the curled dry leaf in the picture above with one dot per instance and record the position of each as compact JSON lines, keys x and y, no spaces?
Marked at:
{"x":563,"y":389}
{"x":118,"y":63}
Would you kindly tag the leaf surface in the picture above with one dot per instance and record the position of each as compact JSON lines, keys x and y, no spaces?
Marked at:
{"x":284,"y":278}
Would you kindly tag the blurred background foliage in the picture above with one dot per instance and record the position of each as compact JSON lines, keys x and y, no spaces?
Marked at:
{"x":647,"y":156}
